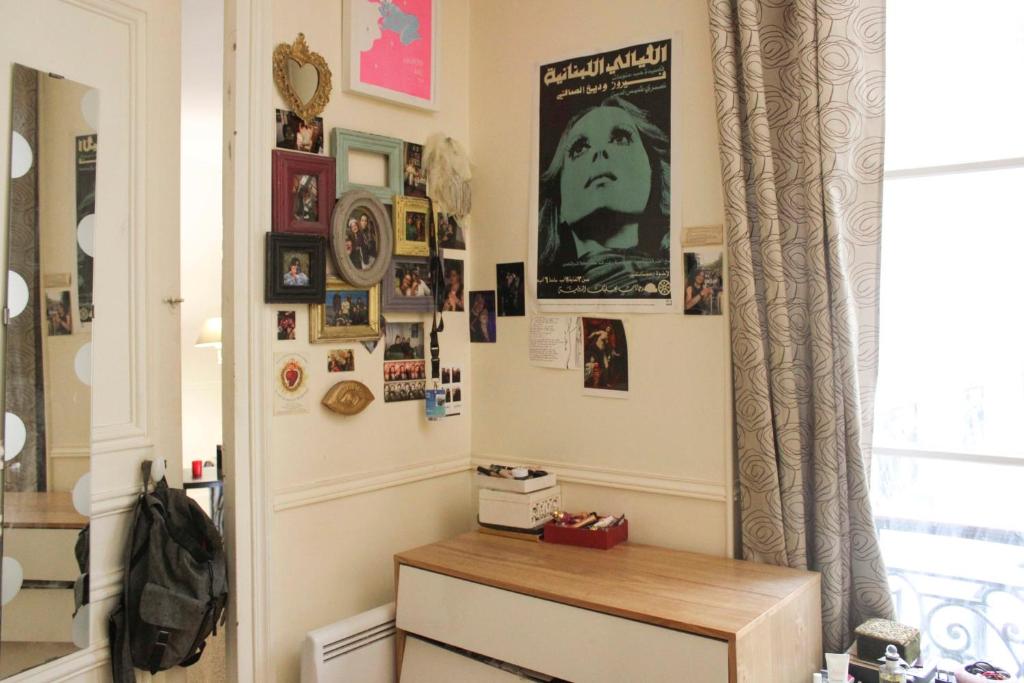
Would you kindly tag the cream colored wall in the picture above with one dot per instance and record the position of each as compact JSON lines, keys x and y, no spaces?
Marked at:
{"x":661,"y":456}
{"x":202,"y":111}
{"x":349,"y":492}
{"x":67,"y":399}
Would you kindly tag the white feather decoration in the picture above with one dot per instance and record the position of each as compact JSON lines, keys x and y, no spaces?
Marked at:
{"x":447,"y":171}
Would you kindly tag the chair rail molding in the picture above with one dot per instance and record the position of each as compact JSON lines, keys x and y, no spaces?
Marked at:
{"x":311,"y":493}
{"x":643,"y":482}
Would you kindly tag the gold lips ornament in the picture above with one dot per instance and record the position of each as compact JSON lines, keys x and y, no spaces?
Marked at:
{"x":348,"y":397}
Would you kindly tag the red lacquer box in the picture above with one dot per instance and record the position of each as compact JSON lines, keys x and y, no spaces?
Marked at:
{"x":601,"y":538}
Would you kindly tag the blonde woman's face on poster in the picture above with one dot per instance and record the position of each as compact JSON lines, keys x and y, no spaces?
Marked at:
{"x":605,"y":166}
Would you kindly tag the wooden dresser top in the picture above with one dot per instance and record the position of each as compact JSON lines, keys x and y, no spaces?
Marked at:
{"x":702,"y":594}
{"x":41,"y":510}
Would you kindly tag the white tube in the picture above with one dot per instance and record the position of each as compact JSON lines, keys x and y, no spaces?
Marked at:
{"x":838,"y":667}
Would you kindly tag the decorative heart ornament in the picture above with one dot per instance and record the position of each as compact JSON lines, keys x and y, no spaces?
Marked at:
{"x":292,"y":376}
{"x":302,"y":78}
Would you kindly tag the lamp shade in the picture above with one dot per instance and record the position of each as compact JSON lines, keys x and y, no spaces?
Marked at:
{"x":209,"y":336}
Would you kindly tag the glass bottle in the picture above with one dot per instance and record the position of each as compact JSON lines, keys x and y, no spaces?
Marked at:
{"x":892,"y":670}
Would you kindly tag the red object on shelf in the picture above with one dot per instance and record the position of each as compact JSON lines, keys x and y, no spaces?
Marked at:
{"x":197,"y":469}
{"x":599,"y":538}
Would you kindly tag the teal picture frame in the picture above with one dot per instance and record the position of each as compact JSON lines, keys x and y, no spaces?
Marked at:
{"x":343,"y":141}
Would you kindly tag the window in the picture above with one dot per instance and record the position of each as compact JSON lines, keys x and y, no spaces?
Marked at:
{"x":948,"y":466}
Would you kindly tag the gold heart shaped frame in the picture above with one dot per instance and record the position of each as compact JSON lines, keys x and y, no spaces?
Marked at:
{"x":310,"y":102}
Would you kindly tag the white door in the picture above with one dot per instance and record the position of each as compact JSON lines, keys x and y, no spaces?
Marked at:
{"x":128,"y":50}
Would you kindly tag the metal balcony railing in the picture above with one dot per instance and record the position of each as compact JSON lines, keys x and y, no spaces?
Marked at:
{"x":963,"y":585}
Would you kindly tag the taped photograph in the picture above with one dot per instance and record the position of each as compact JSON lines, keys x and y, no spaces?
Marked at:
{"x":294,"y":133}
{"x":606,"y":358}
{"x":704,"y":285}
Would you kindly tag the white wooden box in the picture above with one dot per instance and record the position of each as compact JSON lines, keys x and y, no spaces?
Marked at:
{"x":516,"y":485}
{"x":519,"y":510}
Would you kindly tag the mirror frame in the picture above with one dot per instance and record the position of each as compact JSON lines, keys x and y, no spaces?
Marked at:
{"x":300,"y":52}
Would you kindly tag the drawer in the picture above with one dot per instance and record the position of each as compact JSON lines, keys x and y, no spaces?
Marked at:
{"x":559,"y":640}
{"x":39,"y":615}
{"x":425,"y":662}
{"x":44,"y":554}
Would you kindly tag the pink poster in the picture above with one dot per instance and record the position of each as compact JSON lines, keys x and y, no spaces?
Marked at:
{"x":396,"y":46}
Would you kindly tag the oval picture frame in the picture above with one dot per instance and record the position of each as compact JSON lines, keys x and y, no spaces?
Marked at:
{"x":350,"y":202}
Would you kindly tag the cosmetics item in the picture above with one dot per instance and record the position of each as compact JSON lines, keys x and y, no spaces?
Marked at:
{"x":589,"y":519}
{"x":605,"y":522}
{"x":838,"y":666}
{"x":892,"y":671}
{"x":520,"y":473}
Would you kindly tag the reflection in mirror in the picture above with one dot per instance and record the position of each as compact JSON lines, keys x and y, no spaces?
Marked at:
{"x":47,"y":350}
{"x":303,"y":79}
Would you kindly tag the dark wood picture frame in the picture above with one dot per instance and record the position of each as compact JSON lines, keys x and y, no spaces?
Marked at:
{"x":286,"y":165}
{"x":277,"y":292}
{"x":393,"y":301}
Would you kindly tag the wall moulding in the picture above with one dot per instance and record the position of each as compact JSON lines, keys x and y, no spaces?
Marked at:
{"x":644,"y":482}
{"x":114,"y":502}
{"x":70,"y":452}
{"x":311,"y":493}
{"x":106,"y":586}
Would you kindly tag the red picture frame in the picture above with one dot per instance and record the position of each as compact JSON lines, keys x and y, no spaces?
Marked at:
{"x":302,"y":193}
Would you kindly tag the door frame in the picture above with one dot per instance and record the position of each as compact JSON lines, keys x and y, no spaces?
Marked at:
{"x":246,"y":368}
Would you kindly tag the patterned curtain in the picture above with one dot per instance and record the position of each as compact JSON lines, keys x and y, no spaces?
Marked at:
{"x":24,"y":367}
{"x":799,"y":86}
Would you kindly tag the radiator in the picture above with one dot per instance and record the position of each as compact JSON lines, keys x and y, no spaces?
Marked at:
{"x":358,"y":649}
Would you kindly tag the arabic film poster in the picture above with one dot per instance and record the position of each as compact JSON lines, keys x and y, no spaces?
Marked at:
{"x":85,"y":194}
{"x":603,"y":232}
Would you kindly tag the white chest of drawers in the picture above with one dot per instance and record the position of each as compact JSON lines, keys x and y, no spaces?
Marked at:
{"x":632,"y":613}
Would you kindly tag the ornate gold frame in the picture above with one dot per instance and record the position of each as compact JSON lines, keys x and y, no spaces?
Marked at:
{"x":403,"y":246}
{"x":319,"y":333}
{"x":300,"y":52}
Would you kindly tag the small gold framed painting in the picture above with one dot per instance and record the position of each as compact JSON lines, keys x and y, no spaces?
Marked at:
{"x":346,"y":313}
{"x":412,"y":226}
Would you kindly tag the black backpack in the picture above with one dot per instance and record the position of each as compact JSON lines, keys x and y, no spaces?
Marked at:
{"x":175,"y":584}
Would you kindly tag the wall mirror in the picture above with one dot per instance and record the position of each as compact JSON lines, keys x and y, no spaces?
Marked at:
{"x":302,"y":78}
{"x":47,"y":358}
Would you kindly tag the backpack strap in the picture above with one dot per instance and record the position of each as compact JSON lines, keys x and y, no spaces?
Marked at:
{"x":156,"y":654}
{"x":437,"y":271}
{"x":117,"y":624}
{"x":194,"y":657}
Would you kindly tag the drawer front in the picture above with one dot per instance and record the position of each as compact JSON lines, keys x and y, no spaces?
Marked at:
{"x":425,"y":662}
{"x":45,"y":554}
{"x":556,"y":639}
